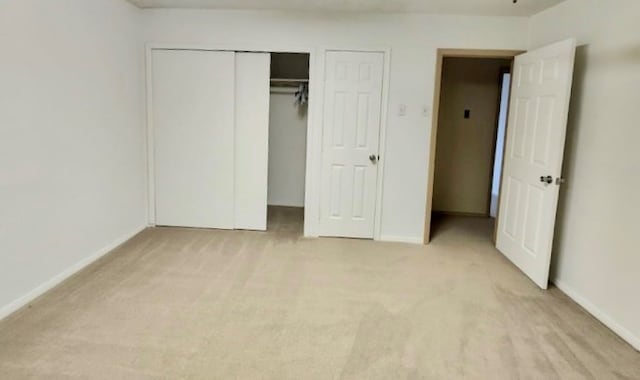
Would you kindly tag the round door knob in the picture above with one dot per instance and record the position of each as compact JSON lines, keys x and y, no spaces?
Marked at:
{"x":548,"y":179}
{"x":373,"y":158}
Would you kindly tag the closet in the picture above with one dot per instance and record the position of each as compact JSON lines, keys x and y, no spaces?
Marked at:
{"x":210,"y":115}
{"x":288,"y":135}
{"x":228,"y":136}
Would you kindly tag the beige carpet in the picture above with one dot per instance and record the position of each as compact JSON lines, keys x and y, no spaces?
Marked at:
{"x":185,"y":303}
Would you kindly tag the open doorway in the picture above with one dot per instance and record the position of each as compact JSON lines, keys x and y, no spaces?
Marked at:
{"x":470,"y":115}
{"x":288,"y":110}
{"x":534,"y":146}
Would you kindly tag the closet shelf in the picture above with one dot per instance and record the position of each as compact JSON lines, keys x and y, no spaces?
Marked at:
{"x":289,"y":80}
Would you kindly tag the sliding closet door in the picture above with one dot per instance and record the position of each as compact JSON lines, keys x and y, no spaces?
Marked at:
{"x":252,"y":140}
{"x":193,"y":129}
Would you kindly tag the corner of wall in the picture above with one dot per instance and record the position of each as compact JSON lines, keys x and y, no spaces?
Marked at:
{"x":598,"y":313}
{"x":530,"y":31}
{"x":58,"y":279}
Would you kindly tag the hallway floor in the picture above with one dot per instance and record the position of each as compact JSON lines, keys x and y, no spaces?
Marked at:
{"x":446,"y":228}
{"x":189,"y":303}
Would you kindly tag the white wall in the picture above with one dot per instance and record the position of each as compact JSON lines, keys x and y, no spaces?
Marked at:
{"x":71,"y":147}
{"x":413,"y":40}
{"x":596,"y":252}
{"x":287,"y":150}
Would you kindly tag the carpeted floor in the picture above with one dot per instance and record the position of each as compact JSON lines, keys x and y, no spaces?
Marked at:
{"x":187,"y":303}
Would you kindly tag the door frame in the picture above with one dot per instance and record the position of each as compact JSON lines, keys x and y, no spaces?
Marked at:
{"x":317,"y":139}
{"x":441,"y":54}
{"x":314,"y":121}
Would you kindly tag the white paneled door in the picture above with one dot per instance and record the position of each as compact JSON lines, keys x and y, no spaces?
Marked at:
{"x":533,"y":157}
{"x":193,"y":134}
{"x":350,"y":143}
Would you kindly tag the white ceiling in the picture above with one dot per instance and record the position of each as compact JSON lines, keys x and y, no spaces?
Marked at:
{"x":470,"y":7}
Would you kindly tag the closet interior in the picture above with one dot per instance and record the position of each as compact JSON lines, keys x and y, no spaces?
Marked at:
{"x":288,"y":109}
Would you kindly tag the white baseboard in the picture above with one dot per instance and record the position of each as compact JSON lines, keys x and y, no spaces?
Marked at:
{"x":600,"y":315}
{"x":15,"y":305}
{"x":402,"y":239}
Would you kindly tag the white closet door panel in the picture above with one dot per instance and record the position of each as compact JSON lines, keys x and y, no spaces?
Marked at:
{"x":251,"y":140}
{"x":193,"y":122}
